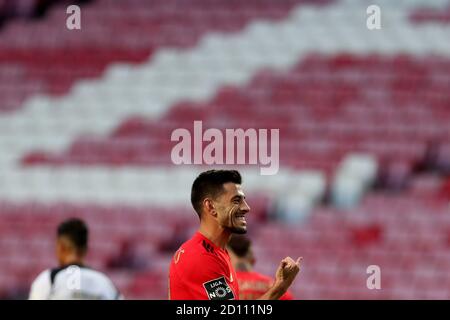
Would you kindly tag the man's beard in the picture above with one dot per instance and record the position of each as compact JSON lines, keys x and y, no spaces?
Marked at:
{"x":232,"y":221}
{"x":237,"y":230}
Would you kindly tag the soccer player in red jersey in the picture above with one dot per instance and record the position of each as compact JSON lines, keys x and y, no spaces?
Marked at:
{"x":201,"y":268}
{"x":252,"y":284}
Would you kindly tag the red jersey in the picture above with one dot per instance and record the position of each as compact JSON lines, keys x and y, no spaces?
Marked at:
{"x":253,"y":285}
{"x":200,"y":270}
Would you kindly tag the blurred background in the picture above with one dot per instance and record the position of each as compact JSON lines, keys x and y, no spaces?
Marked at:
{"x":364,"y":117}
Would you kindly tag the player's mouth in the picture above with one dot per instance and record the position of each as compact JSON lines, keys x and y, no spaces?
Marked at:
{"x":241,"y":218}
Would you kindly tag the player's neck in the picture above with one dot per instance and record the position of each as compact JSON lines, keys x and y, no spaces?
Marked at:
{"x":218,"y":236}
{"x":73,"y":260}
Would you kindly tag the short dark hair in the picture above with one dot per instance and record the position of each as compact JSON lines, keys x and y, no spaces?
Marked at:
{"x":76,"y":231}
{"x":239,"y":244}
{"x":210,"y":184}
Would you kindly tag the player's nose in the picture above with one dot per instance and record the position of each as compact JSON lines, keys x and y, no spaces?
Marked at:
{"x":245,"y":208}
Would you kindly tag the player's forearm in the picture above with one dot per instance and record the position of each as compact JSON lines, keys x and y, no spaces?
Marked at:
{"x":275,"y":292}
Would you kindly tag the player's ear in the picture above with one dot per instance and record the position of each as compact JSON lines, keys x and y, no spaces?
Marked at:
{"x":209,"y":207}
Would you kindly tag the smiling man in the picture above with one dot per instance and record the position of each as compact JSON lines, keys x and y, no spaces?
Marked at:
{"x":201,"y":268}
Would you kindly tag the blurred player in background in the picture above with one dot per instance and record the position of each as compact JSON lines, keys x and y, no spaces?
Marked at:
{"x":252,"y":284}
{"x":201,"y":268}
{"x":72,"y":280}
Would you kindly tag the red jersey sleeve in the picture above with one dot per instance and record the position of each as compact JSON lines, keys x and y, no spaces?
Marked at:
{"x":201,"y":277}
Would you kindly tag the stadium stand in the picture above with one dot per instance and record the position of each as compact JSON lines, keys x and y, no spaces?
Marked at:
{"x":364,"y":118}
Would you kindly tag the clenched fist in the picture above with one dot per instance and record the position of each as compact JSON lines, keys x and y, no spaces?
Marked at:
{"x":287,"y":271}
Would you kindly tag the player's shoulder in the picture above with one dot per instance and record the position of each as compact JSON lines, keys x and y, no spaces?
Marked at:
{"x":89,"y":274}
{"x":43,"y":277}
{"x":98,"y":275}
{"x":195,"y":255}
{"x":197,"y":246}
{"x":41,"y":285}
{"x":102,"y":280}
